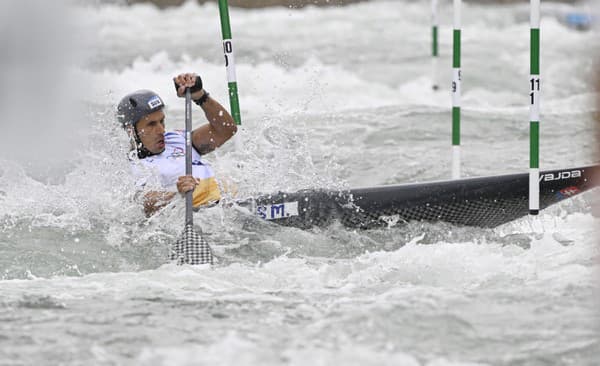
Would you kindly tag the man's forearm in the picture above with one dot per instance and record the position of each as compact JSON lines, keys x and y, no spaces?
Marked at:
{"x":221,"y":127}
{"x":219,"y":118}
{"x":155,"y":200}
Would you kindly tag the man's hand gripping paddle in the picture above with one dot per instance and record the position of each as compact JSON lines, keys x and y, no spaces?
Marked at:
{"x":191,"y":248}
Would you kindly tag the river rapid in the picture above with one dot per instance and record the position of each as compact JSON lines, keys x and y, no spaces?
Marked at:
{"x":334,"y":98}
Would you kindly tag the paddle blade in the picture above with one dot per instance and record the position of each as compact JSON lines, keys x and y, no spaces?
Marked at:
{"x":191,"y":248}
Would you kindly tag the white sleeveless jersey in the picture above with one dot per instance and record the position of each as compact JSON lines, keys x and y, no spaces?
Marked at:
{"x":163,"y":170}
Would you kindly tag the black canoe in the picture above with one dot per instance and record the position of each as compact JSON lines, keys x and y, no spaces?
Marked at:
{"x":481,"y":202}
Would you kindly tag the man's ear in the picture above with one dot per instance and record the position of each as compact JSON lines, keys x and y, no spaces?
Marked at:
{"x":130,"y":130}
{"x":133,"y":139}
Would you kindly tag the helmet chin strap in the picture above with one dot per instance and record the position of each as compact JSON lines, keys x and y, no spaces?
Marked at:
{"x":142,"y":151}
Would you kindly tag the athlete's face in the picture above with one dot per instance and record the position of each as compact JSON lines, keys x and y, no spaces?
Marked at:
{"x":151,"y":130}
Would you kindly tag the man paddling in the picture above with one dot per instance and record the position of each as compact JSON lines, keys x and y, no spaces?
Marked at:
{"x":162,"y":154}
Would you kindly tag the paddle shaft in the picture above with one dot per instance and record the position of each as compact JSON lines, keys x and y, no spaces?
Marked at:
{"x":189,"y":220}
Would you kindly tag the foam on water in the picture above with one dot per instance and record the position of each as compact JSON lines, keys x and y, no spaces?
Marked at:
{"x":460,"y":291}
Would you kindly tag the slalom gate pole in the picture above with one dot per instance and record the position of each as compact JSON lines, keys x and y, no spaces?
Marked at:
{"x":456,"y":81}
{"x":534,"y":109}
{"x":434,"y":44}
{"x":230,"y":62}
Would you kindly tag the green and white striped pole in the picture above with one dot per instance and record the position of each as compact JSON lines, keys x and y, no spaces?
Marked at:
{"x":534,"y":110}
{"x":230,"y":62}
{"x":456,"y":80}
{"x":434,"y":43}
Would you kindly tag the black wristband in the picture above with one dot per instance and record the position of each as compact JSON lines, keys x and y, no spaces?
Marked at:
{"x":196,"y":87}
{"x":202,"y":99}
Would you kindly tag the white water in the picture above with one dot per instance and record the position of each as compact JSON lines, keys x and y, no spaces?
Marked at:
{"x":330,"y":97}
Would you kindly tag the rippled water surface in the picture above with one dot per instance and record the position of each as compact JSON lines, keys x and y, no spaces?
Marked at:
{"x":331,"y":97}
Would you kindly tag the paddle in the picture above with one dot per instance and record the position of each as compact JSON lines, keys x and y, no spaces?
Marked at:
{"x":191,"y":248}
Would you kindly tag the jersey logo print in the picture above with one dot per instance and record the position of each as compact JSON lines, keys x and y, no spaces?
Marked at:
{"x":197,"y":162}
{"x":177,"y":153}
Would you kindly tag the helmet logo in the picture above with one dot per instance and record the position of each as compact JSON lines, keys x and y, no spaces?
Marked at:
{"x":155,"y":102}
